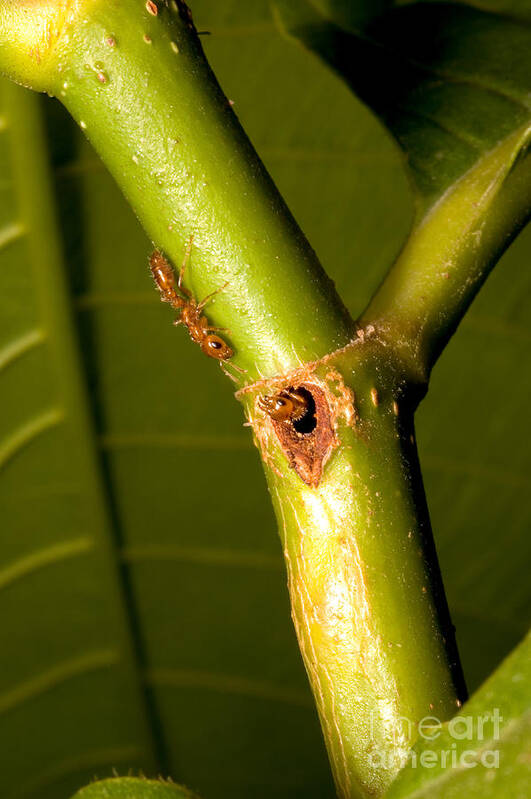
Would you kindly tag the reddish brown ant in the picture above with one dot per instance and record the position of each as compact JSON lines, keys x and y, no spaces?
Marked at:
{"x":288,"y":405}
{"x":190,"y":311}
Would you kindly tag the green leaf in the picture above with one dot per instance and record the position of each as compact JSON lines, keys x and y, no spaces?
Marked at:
{"x":351,"y":14}
{"x":355,"y":13}
{"x":193,"y":525}
{"x":484,"y":750}
{"x":67,"y":633}
{"x":133,"y":788}
{"x":517,"y":9}
{"x":449,"y":81}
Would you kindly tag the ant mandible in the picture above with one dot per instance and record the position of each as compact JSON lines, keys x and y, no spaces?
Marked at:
{"x":191,"y":311}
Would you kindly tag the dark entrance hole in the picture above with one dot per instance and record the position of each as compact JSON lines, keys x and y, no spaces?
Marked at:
{"x":307,"y":423}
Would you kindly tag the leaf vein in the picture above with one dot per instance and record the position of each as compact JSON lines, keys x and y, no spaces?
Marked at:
{"x":460,"y":136}
{"x":70,"y":669}
{"x":229,"y":684}
{"x":44,"y":557}
{"x":178,"y":440}
{"x":27,"y":433}
{"x":10,"y":233}
{"x":20,"y":346}
{"x":204,"y":555}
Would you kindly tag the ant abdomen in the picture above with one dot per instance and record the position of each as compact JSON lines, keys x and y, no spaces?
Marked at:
{"x":164,"y":276}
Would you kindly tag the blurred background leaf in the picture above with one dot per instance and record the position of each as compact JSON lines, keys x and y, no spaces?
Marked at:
{"x":516,"y":9}
{"x":144,"y":614}
{"x":450,"y":82}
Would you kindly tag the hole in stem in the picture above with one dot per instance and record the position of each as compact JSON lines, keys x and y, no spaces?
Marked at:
{"x":308,"y":422}
{"x":307,"y":438}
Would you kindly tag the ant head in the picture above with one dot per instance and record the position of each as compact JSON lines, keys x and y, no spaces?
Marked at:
{"x":216,"y":348}
{"x":278,"y":406}
{"x":288,"y":405}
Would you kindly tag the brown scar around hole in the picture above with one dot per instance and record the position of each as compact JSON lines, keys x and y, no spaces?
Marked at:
{"x":308,"y":442}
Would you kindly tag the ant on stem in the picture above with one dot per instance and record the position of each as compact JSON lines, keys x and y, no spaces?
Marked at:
{"x":180,"y":298}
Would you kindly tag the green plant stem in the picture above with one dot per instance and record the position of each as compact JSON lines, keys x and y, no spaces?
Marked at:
{"x":367,"y":599}
{"x":366,"y":595}
{"x":451,"y":252}
{"x":142,"y":91}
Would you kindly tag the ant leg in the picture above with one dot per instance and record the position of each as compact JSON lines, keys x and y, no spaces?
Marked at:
{"x":218,"y":329}
{"x":239,"y":369}
{"x":183,"y":267}
{"x":227,"y":373}
{"x":209,"y":297}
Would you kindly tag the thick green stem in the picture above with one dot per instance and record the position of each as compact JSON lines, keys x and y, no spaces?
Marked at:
{"x":366,"y":596}
{"x":367,"y":599}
